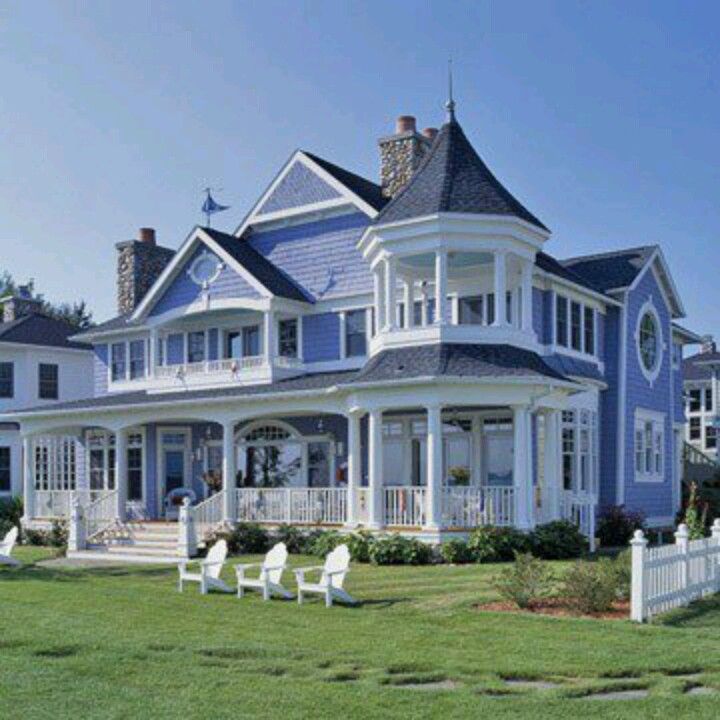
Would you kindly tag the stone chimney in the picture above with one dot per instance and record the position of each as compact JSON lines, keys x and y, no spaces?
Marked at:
{"x":139,"y":265}
{"x":19,"y":304}
{"x":708,"y":344}
{"x":401,"y":154}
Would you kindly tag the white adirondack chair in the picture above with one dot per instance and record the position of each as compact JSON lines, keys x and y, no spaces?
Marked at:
{"x":6,"y":548}
{"x":210,"y":568}
{"x":332,"y":577}
{"x":271,"y":570}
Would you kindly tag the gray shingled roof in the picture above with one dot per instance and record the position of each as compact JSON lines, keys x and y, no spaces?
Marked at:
{"x":573,"y":367}
{"x":455,"y":360}
{"x":38,"y":329}
{"x":555,"y":267}
{"x":612,"y":270}
{"x":694,"y":367}
{"x":453,"y":178}
{"x":369,"y":191}
{"x":269,"y":275}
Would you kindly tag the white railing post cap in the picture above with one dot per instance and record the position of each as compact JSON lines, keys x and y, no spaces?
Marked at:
{"x":682,"y":532}
{"x":716,"y":526}
{"x":638,"y":538}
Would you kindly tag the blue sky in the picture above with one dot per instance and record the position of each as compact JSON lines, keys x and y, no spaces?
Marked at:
{"x":602,"y":118}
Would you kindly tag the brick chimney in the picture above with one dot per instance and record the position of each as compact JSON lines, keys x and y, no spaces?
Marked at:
{"x":139,"y":265}
{"x":401,"y":154}
{"x":19,"y":304}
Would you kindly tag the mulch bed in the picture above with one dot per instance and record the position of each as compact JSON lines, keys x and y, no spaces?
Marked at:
{"x":558,"y":607}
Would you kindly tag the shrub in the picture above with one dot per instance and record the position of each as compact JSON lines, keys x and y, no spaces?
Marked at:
{"x":35,"y":537}
{"x":497,"y":544}
{"x":616,"y":525}
{"x":694,"y":517}
{"x":359,"y":544}
{"x":399,"y":550}
{"x":58,"y":535}
{"x":294,"y":538}
{"x":325,"y":541}
{"x":456,"y":551}
{"x":11,"y":512}
{"x":5,"y":527}
{"x":591,"y":587}
{"x":247,"y":538}
{"x":525,"y":581}
{"x":557,"y":540}
{"x":623,"y":575}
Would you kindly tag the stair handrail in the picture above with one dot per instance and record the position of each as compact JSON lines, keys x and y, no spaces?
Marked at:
{"x":208,"y":514}
{"x":101,"y":514}
{"x":696,"y":456}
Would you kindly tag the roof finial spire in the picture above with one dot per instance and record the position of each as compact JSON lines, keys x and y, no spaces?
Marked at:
{"x":450,"y":104}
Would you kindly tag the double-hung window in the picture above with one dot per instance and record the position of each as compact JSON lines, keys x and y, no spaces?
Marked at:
{"x":694,"y":401}
{"x":137,"y":359}
{"x":568,"y":450}
{"x":710,"y":437}
{"x":589,"y":330}
{"x":196,"y":347}
{"x":576,"y":326}
{"x":251,"y":341}
{"x":355,"y":334}
{"x":695,"y":428}
{"x":48,"y":381}
{"x":118,"y":361}
{"x":288,"y":338}
{"x":649,"y":446}
{"x":7,"y":380}
{"x":5,"y":456}
{"x":708,"y":400}
{"x":561,"y":319}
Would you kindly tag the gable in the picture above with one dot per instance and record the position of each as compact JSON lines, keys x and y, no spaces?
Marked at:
{"x":300,"y":186}
{"x":183,"y":290}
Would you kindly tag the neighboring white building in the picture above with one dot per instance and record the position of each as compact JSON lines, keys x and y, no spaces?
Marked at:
{"x":38,"y":366}
{"x":701,"y":393}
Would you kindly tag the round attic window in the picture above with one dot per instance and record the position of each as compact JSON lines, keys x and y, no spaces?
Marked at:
{"x":649,"y":342}
{"x":205,"y":268}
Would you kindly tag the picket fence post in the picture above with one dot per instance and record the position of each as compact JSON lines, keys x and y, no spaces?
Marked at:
{"x":716,"y":554}
{"x":682,"y":540}
{"x":637,"y":594}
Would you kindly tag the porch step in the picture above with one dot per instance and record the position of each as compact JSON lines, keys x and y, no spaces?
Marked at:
{"x":142,"y":550}
{"x":100,"y":554}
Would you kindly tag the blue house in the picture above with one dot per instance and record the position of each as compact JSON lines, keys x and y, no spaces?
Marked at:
{"x":402,"y":356}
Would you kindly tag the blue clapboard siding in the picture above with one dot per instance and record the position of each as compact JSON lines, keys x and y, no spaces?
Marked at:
{"x":301,"y":186}
{"x":679,"y":405}
{"x":609,"y":409}
{"x":100,"y":370}
{"x":321,"y":337}
{"x":321,"y":257}
{"x":653,"y":499}
{"x":183,"y":291}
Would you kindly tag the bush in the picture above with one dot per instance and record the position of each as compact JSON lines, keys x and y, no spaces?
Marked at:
{"x":557,"y":540}
{"x":591,"y":587}
{"x":695,"y":518}
{"x":525,"y":581}
{"x":399,"y":550}
{"x":457,"y":552}
{"x":245,"y":538}
{"x":35,"y":537}
{"x":325,"y":542}
{"x":58,"y":535}
{"x":359,"y":544}
{"x":296,"y":541}
{"x":11,"y":512}
{"x":623,"y":574}
{"x":497,"y":544}
{"x":616,"y":526}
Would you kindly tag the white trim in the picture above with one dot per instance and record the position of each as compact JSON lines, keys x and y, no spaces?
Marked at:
{"x":648,"y":308}
{"x":620,"y":448}
{"x":205,"y":256}
{"x":657,"y":256}
{"x":52,"y":348}
{"x":657,"y":421}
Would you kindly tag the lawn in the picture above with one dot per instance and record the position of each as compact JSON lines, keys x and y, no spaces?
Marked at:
{"x":123,"y":643}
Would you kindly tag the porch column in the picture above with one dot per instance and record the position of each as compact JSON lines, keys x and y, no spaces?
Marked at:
{"x":229,"y":472}
{"x":522,"y":466}
{"x":379,"y":294}
{"x":121,"y":473}
{"x":440,"y":287}
{"x":390,"y":294}
{"x":408,"y":287}
{"x":552,"y":464}
{"x":153,"y":354}
{"x":500,"y":289}
{"x":269,"y":335}
{"x":527,"y":295}
{"x":28,"y":478}
{"x":354,"y":467}
{"x":423,"y":304}
{"x":375,"y":467}
{"x":433,"y":512}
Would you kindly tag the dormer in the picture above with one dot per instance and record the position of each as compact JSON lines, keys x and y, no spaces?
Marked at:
{"x":452,"y":254}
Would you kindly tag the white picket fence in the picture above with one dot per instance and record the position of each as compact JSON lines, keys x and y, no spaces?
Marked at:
{"x":672,"y":576}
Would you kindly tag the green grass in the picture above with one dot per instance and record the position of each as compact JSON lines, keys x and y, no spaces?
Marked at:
{"x":121,"y":642}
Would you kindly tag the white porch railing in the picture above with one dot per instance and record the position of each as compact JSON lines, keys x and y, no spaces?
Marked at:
{"x":673,"y":576}
{"x":208,"y":514}
{"x":313,"y":506}
{"x":100,"y":514}
{"x":362,"y":505}
{"x":404,"y":506}
{"x":210,"y":367}
{"x":579,"y":508}
{"x":56,"y":504}
{"x":468,"y":507}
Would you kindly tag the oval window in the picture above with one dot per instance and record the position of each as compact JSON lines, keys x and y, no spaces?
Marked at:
{"x":649,"y":342}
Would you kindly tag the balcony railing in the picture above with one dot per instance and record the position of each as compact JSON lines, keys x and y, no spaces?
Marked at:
{"x":230,"y":366}
{"x":466,"y":507}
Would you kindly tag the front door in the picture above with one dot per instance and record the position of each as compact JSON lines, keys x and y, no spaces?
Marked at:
{"x":174,"y":467}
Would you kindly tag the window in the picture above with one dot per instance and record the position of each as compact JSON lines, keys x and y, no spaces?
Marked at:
{"x":695,"y":428}
{"x":47,"y":381}
{"x":561,"y":328}
{"x":490,"y":300}
{"x":509,"y":304}
{"x":251,"y":341}
{"x":196,"y":347}
{"x":7,"y":380}
{"x":118,"y":363}
{"x":137,"y":359}
{"x":135,"y":471}
{"x":649,"y":447}
{"x":589,"y":331}
{"x":649,"y":342}
{"x":710,"y":437}
{"x":288,"y":338}
{"x":233,"y":345}
{"x":5,"y":469}
{"x":694,"y":401}
{"x":708,"y":400}
{"x":355,"y":340}
{"x":101,"y":460}
{"x":568,"y":455}
{"x":471,"y":310}
{"x":418,"y":312}
{"x":575,"y":326}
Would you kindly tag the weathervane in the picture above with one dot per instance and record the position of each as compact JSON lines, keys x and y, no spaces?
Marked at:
{"x":210,"y":207}
{"x":450,"y":104}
